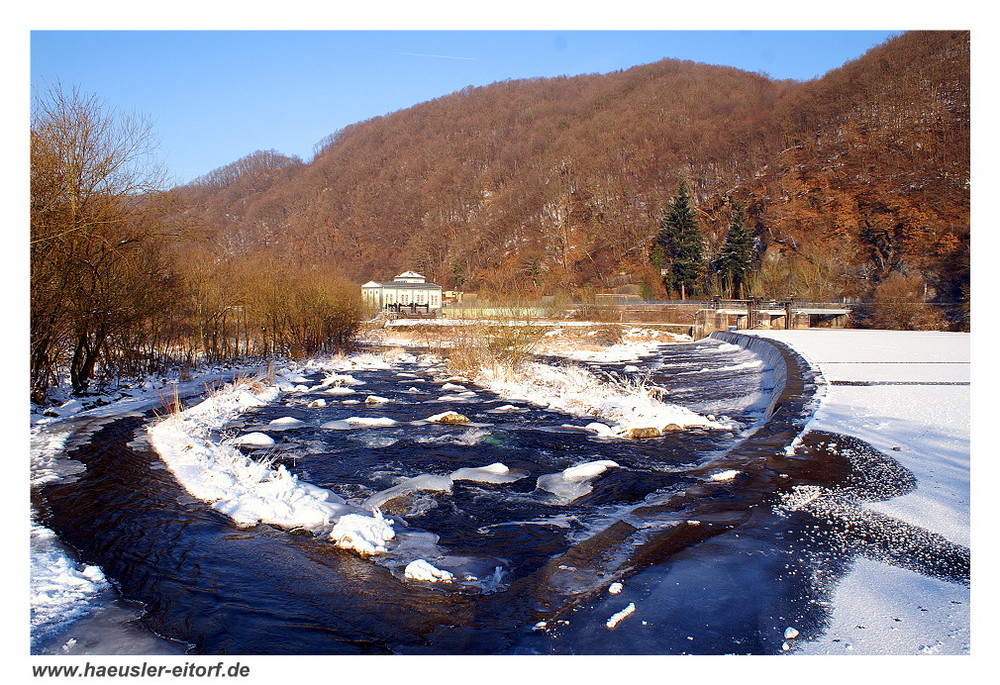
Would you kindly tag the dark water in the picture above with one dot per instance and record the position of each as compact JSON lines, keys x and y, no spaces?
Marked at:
{"x":712,"y":567}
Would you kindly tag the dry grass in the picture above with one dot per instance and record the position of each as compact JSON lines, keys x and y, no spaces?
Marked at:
{"x":495,"y":345}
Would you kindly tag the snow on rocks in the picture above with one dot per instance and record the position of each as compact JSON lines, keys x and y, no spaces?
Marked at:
{"x":370,"y":421}
{"x":448,"y":417}
{"x":352,"y":422}
{"x":255,"y":439}
{"x":340,"y":390}
{"x":725,"y":475}
{"x":420,"y":569}
{"x":366,"y":535}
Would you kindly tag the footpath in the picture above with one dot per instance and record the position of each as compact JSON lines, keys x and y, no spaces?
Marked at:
{"x":908,"y":395}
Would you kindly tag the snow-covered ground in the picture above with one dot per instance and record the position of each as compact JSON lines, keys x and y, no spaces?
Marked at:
{"x":907,"y":394}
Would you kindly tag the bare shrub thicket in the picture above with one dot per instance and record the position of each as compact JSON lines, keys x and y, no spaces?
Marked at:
{"x":120,"y":286}
{"x":899,"y":305}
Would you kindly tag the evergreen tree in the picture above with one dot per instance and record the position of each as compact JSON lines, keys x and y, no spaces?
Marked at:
{"x":679,"y":247}
{"x":736,"y":261}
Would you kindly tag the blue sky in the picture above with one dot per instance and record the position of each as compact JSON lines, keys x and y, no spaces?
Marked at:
{"x":215,"y":96}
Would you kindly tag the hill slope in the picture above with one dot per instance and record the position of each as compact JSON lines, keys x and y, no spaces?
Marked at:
{"x":552,"y":185}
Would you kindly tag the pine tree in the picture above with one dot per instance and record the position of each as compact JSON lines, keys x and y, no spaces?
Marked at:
{"x":736,"y":261}
{"x":679,"y":246}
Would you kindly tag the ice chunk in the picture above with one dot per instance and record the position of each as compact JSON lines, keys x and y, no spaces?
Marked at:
{"x":725,"y":475}
{"x":427,"y":481}
{"x":574,"y":482}
{"x":613,"y":622}
{"x":370,"y":421}
{"x":588,"y":471}
{"x":494,"y":473}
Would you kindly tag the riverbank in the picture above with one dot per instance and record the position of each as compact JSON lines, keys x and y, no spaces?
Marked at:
{"x":908,"y":395}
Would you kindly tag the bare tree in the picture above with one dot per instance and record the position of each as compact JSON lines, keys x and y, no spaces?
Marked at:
{"x":94,"y":214}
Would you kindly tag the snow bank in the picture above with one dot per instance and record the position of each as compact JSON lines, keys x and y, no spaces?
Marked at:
{"x":61,"y":589}
{"x":250,"y":491}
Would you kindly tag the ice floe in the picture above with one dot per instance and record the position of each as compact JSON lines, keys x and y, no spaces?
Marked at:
{"x":575,"y":481}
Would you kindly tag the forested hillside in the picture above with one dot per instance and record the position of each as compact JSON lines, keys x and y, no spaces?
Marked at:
{"x":848,"y":182}
{"x":669,"y":179}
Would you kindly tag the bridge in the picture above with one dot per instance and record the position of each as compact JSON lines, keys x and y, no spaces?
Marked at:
{"x":758,"y":313}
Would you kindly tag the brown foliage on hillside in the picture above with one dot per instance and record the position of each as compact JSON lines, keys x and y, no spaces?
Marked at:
{"x":558,"y":185}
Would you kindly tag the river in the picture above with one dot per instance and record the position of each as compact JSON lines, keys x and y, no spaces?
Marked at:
{"x":653,"y":556}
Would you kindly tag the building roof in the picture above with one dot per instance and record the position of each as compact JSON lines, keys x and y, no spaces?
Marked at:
{"x":397,"y":285}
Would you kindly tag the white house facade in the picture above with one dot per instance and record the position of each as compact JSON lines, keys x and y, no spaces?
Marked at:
{"x":408,"y":290}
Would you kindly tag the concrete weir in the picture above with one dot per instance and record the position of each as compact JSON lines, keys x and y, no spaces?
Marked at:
{"x":794,"y":381}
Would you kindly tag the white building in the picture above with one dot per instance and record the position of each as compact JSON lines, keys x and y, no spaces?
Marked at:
{"x":408,"y":290}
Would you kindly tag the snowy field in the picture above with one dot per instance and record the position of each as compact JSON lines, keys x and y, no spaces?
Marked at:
{"x":907,"y":394}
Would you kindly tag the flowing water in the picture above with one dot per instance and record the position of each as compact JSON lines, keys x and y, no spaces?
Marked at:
{"x":709,"y":566}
